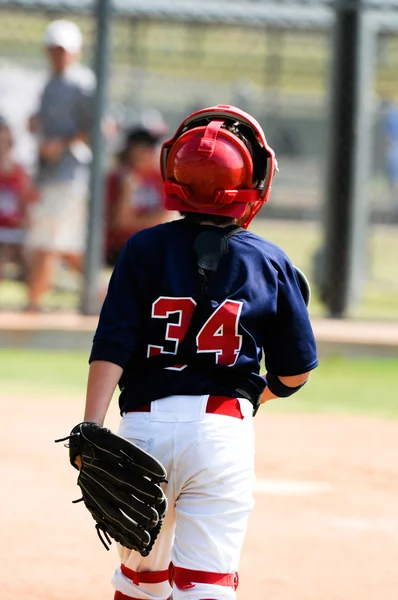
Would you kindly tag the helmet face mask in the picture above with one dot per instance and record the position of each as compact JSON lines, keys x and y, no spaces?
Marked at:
{"x":208,"y":146}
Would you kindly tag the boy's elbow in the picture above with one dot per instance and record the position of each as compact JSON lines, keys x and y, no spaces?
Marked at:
{"x":295,"y":380}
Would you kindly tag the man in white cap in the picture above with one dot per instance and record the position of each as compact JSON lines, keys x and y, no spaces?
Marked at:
{"x":62,"y":127}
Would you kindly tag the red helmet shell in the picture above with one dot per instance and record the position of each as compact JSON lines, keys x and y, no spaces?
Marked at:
{"x":227,"y":167}
{"x":207,"y":168}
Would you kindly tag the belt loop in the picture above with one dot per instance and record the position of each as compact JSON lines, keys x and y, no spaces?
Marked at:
{"x":153,"y":411}
{"x":203,"y":406}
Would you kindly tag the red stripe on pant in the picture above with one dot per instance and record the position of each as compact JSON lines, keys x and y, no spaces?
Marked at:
{"x":186,"y":578}
{"x":138,"y":577}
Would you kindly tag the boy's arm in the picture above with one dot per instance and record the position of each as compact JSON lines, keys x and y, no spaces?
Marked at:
{"x":118,"y":328}
{"x":103,"y":378}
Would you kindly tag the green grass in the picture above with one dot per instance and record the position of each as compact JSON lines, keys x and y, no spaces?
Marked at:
{"x":355,"y":386}
{"x":25,"y":371}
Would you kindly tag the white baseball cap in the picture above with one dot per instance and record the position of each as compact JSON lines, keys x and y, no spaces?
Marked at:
{"x":63,"y":34}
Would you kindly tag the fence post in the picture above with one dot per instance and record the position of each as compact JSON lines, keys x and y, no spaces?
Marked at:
{"x":347,"y":209}
{"x":95,"y":225}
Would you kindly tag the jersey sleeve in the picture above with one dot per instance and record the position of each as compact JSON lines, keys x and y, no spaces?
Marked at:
{"x":116,"y":337}
{"x":289,"y":342}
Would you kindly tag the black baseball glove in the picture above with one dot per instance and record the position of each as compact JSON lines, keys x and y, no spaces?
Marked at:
{"x":120,"y":486}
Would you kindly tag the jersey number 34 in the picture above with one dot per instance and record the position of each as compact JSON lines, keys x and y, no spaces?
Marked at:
{"x":219,"y":335}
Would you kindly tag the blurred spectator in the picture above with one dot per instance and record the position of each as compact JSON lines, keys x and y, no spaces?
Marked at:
{"x":16,"y":191}
{"x":62,"y":126}
{"x":134,"y":189}
{"x":391,"y":134}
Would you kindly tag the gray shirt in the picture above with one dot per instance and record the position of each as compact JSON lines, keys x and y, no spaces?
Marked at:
{"x":65,"y":110}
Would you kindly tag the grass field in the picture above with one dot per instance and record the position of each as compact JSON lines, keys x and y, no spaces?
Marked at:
{"x":365,"y":387}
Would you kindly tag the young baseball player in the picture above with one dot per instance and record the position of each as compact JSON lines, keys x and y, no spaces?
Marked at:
{"x":192,"y":308}
{"x":134,"y":190}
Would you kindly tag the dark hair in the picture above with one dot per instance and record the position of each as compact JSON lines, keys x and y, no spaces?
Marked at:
{"x":141,"y":135}
{"x":138,"y":136}
{"x":195,"y":217}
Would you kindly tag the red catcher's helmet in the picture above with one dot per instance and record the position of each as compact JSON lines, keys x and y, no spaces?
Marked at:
{"x":218,"y":163}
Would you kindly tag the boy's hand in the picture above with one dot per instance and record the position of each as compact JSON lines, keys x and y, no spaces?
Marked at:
{"x":78,"y":462}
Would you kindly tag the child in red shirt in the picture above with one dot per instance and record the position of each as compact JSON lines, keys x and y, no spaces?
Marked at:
{"x":15,"y":193}
{"x":134,"y":191}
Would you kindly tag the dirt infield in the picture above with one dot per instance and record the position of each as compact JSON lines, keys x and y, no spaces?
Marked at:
{"x":325,"y":525}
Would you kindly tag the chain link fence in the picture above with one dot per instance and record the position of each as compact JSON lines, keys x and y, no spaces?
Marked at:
{"x":272,"y":60}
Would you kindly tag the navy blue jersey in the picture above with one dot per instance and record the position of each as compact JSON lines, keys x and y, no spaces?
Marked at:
{"x":176,"y":333}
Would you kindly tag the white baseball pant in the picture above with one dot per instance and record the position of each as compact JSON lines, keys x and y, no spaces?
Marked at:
{"x":209,"y":457}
